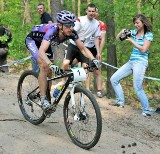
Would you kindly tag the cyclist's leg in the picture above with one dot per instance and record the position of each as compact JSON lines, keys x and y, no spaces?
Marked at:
{"x":70,"y":54}
{"x":50,"y":55}
{"x":34,"y":52}
{"x":42,"y":77}
{"x":85,"y":61}
{"x":71,"y":51}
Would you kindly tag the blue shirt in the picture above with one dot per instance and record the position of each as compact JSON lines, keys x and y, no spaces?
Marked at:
{"x":136,"y":53}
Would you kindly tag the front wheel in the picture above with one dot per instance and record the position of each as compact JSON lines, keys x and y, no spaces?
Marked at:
{"x":83,"y":123}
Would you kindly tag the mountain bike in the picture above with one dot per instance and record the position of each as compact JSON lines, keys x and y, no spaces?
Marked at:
{"x":81,"y":112}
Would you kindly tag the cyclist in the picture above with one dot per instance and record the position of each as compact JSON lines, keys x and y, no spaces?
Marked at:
{"x":39,"y":42}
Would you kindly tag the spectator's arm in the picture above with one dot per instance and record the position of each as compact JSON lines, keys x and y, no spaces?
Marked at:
{"x":103,"y":38}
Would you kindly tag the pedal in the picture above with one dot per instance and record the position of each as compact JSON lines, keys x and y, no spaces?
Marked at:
{"x":49,"y":111}
{"x":48,"y":114}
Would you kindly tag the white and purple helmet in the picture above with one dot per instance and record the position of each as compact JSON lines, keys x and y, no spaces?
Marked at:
{"x":65,"y":17}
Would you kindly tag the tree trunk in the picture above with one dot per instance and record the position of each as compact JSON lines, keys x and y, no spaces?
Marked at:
{"x":139,"y":6}
{"x":27,"y":13}
{"x":55,"y":7}
{"x":62,"y":2}
{"x":111,"y":47}
{"x":79,"y":8}
{"x":74,"y":6}
{"x":88,"y":1}
{"x":1,"y":5}
{"x":59,"y":50}
{"x":49,"y":8}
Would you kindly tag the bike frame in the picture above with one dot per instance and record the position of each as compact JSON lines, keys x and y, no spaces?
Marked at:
{"x":74,"y":84}
{"x":59,"y":96}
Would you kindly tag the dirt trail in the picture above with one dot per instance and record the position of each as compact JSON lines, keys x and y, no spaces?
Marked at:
{"x":124,"y":130}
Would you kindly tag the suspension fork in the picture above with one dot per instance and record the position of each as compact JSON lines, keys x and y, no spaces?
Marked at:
{"x":73,"y":98}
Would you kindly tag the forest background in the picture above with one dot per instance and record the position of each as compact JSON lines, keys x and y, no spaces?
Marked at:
{"x":21,"y":15}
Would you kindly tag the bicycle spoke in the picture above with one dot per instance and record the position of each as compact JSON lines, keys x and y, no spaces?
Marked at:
{"x":29,"y":98}
{"x":84,"y":130}
{"x":83,"y":122}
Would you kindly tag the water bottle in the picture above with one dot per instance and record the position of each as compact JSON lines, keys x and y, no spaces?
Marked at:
{"x":57,"y":90}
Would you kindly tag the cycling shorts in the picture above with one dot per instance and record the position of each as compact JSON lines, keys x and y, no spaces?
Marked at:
{"x":74,"y":52}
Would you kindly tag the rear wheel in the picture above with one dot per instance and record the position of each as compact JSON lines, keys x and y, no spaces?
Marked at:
{"x":84,"y":123}
{"x":28,"y":94}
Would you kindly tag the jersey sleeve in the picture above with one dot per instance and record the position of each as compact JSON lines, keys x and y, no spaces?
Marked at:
{"x":103,"y":27}
{"x":49,"y":33}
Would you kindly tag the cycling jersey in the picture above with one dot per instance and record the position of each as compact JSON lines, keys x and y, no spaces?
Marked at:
{"x":49,"y":32}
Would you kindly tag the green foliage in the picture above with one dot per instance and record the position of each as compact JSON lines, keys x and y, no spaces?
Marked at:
{"x":3,"y":38}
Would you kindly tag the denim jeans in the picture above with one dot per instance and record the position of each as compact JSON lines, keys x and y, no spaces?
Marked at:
{"x":137,"y":68}
{"x":35,"y":66}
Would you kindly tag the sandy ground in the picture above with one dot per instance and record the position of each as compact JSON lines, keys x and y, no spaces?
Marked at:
{"x":125,"y":130}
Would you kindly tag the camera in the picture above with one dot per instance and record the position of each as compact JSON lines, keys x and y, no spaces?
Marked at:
{"x":125,"y":34}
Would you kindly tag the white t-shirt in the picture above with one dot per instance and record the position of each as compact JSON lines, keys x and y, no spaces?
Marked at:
{"x":86,"y":28}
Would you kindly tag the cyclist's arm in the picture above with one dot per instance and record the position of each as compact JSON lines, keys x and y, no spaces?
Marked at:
{"x":42,"y":51}
{"x":83,"y":49}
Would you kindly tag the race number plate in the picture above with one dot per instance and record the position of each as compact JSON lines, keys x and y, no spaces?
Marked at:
{"x":79,"y":74}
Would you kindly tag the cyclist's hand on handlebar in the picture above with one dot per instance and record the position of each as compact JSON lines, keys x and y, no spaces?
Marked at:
{"x":56,"y":69}
{"x":96,"y":63}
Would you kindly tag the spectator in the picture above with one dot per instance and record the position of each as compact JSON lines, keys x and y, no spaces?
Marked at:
{"x":140,"y":38}
{"x":5,"y":38}
{"x":103,"y":29}
{"x":101,"y":45}
{"x":44,"y":16}
{"x":39,"y":41}
{"x":85,"y":26}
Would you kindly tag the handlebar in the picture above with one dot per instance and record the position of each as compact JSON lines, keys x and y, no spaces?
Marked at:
{"x":68,"y":72}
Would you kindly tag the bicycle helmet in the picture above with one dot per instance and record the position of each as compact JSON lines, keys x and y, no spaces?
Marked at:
{"x":65,"y":17}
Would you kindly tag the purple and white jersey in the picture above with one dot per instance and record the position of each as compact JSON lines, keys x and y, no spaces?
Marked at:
{"x":50,"y":33}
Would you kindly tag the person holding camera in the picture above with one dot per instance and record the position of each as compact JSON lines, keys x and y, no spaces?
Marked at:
{"x":141,"y":39}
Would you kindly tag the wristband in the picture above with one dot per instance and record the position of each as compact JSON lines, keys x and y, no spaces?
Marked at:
{"x":50,"y":64}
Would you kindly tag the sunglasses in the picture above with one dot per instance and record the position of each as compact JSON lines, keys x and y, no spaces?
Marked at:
{"x":69,"y":24}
